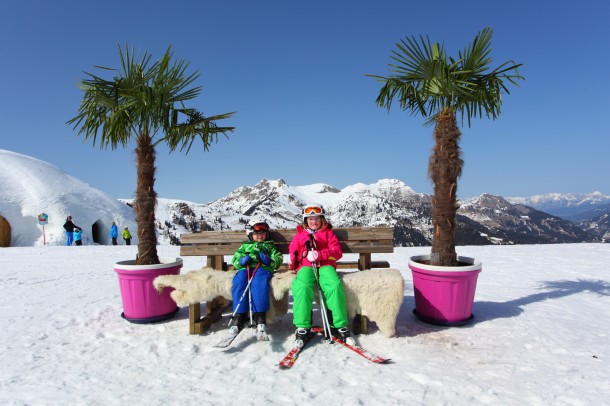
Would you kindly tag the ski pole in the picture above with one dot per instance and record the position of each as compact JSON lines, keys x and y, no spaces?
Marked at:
{"x":250,"y":297}
{"x":243,"y":295}
{"x":325,"y":321}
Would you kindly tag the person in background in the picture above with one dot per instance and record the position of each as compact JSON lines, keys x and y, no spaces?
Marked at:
{"x":126,"y":236}
{"x":114,"y":233}
{"x":256,"y":259}
{"x":315,"y":243}
{"x":69,"y":226}
{"x":78,"y":236}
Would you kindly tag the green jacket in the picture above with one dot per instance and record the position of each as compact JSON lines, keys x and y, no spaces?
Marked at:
{"x":253,"y":248}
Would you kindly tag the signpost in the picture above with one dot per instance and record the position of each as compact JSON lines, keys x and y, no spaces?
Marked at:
{"x":42,"y":220}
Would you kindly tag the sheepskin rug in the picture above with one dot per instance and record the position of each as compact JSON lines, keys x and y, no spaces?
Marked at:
{"x":375,"y":293}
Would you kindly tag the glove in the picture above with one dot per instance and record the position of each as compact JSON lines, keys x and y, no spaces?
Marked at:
{"x":264,"y":258}
{"x":245,"y":260}
{"x":312,"y":256}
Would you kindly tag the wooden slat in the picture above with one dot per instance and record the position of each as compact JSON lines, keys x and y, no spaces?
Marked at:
{"x":284,"y":234}
{"x":348,"y":247}
{"x":205,"y":250}
{"x":214,"y":237}
{"x":340,"y":265}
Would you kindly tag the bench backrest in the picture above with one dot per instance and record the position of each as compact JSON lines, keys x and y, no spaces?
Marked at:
{"x":216,"y":244}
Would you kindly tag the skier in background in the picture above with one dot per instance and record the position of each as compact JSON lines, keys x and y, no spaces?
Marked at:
{"x":114,"y":233}
{"x":78,"y":236}
{"x":126,"y":236}
{"x":69,"y":226}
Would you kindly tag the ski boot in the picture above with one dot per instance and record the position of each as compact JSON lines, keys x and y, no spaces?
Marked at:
{"x":302,"y":336}
{"x":343,"y":334}
{"x":261,"y":323}
{"x":240,"y":320}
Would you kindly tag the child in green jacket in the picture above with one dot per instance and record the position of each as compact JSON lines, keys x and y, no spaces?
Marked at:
{"x":256,"y":259}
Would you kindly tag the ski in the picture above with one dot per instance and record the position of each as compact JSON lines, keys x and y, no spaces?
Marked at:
{"x":362,"y":352}
{"x":290,"y":358}
{"x":227,"y":340}
{"x":262,"y":336}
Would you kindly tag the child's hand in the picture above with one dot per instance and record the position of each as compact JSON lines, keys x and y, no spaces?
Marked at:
{"x":312,"y":256}
{"x":264,"y":258}
{"x":245,"y":260}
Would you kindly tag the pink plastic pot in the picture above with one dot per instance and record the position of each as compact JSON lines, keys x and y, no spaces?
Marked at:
{"x":141,"y":302}
{"x":444,"y":295}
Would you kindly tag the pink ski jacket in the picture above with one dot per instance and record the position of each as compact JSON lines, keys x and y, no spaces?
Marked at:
{"x":326,"y":243}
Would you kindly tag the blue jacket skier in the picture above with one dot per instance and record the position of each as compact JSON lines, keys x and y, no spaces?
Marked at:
{"x":78,"y":237}
{"x":114,"y":233}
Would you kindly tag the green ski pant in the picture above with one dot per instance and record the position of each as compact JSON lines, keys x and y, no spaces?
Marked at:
{"x":303,"y":293}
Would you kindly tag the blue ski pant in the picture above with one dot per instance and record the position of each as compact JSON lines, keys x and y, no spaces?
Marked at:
{"x":69,"y":237}
{"x":303,"y":287}
{"x":259,"y":287}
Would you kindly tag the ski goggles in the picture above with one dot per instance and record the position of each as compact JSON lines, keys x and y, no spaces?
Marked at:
{"x":313,"y":210}
{"x":260,"y":227}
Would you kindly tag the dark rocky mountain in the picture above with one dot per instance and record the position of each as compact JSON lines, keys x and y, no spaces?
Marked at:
{"x":486,"y":219}
{"x":598,"y":226}
{"x":519,"y":224}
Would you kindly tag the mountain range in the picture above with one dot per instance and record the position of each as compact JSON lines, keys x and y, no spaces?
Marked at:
{"x":31,"y":187}
{"x":486,"y":219}
{"x":574,"y":207}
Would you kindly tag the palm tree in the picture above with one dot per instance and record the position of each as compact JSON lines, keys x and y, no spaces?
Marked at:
{"x":145,"y":101}
{"x":427,"y":82}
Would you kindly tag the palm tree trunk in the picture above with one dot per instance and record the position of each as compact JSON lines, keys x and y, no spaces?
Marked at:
{"x":146,"y":201}
{"x":444,"y":168}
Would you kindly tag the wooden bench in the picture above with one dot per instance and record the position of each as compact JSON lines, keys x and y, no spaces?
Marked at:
{"x":215,"y":245}
{"x":359,"y":240}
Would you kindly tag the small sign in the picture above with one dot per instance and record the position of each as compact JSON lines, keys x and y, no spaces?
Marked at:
{"x":43,"y":219}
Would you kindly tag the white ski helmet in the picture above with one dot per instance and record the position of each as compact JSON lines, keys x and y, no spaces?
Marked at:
{"x":258,"y":226}
{"x":313,"y":210}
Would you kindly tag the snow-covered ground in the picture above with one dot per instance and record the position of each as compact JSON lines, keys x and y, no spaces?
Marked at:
{"x":540,"y":337}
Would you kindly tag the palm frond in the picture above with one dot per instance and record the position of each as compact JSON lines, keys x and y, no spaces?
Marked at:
{"x":144,"y":97}
{"x":425,"y":81}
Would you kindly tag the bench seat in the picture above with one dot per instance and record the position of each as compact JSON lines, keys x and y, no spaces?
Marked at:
{"x":216,"y":245}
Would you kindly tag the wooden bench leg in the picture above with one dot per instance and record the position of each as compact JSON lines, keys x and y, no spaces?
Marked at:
{"x":364,"y":261}
{"x":195,"y":318}
{"x":214,"y":309}
{"x":360,"y":324}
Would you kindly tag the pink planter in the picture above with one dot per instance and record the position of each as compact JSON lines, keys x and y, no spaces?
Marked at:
{"x":444,"y":295}
{"x":141,"y":302}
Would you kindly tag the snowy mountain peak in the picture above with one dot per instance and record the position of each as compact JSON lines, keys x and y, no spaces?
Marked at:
{"x":562,"y":200}
{"x":571,"y":206}
{"x":487,"y":200}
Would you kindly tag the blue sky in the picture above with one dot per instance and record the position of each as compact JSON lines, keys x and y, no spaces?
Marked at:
{"x":306,"y":112}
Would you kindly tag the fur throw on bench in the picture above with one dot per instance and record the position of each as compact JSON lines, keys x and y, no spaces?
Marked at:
{"x":375,"y":293}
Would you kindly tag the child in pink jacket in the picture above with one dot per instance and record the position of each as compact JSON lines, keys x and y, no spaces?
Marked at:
{"x":315,"y":242}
